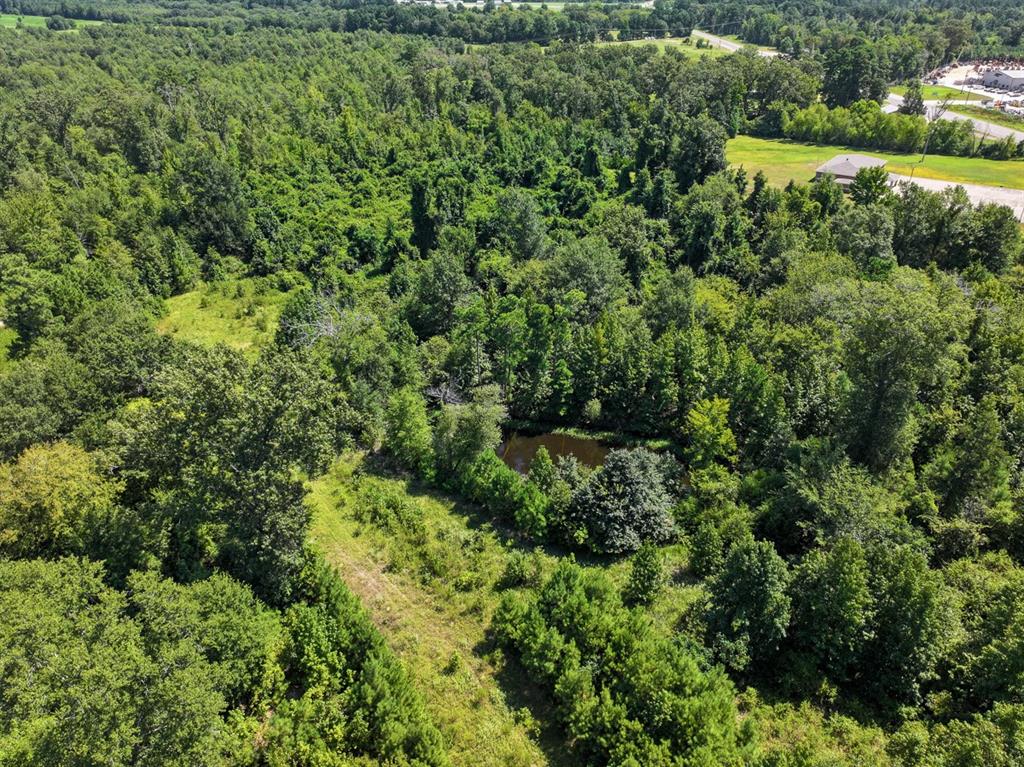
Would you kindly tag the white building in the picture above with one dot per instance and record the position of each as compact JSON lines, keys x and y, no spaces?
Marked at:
{"x":1011,"y":79}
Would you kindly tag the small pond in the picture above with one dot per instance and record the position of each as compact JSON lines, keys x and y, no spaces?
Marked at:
{"x":519,"y":449}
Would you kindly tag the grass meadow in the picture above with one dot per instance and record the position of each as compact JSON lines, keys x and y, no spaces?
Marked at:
{"x":993,"y":116}
{"x":680,"y":44}
{"x":938,"y":93}
{"x":242,"y":314}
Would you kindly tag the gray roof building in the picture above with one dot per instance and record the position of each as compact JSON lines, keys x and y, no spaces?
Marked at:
{"x":845,"y":166}
{"x":1004,"y":78}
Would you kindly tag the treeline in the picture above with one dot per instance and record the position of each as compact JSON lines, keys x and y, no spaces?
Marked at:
{"x":864,"y":124}
{"x":580,"y":22}
{"x":227,"y":680}
{"x":907,"y":39}
{"x":626,"y":695}
{"x":894,"y":42}
{"x":585,"y":23}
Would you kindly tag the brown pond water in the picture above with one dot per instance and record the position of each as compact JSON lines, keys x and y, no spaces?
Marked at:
{"x":519,"y":449}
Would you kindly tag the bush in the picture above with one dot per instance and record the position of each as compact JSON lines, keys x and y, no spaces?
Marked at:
{"x":750,"y":605}
{"x":59,"y":23}
{"x":523,"y":569}
{"x":357,"y":696}
{"x":408,"y":432}
{"x":489,"y":482}
{"x":393,"y":511}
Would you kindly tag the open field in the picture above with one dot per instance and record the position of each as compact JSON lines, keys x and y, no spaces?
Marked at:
{"x":431,"y":587}
{"x":739,"y":41}
{"x":783,"y":161}
{"x":938,"y":93}
{"x":993,"y":116}
{"x":241,"y":314}
{"x":11,"y":20}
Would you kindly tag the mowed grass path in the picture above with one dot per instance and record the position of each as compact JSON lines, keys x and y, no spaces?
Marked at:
{"x":433,"y":602}
{"x":782,"y":161}
{"x":11,"y":20}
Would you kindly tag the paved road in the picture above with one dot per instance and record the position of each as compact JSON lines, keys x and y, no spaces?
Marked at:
{"x":980,"y":126}
{"x":978,"y":193}
{"x":990,"y":129}
{"x":893,"y":102}
{"x":728,"y":45}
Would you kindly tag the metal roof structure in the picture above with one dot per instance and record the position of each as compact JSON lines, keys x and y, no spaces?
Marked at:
{"x":847,"y":165}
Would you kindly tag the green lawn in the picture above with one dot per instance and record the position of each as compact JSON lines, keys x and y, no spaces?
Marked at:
{"x":783,"y":160}
{"x":11,"y":20}
{"x":994,"y":116}
{"x":432,"y":591}
{"x":938,"y":92}
{"x":241,"y":314}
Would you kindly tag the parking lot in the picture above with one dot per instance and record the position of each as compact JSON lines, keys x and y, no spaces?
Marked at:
{"x":963,"y":78}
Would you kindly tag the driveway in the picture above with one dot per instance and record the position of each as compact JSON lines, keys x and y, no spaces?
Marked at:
{"x":978,"y":193}
{"x":728,"y":45}
{"x":982,"y":126}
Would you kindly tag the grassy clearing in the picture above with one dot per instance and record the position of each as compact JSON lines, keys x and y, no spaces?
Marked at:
{"x":680,"y":44}
{"x":736,"y":39}
{"x":432,"y":599}
{"x":432,"y":585}
{"x":11,"y":20}
{"x":938,"y":93}
{"x":241,"y":313}
{"x":783,"y":161}
{"x":994,"y":116}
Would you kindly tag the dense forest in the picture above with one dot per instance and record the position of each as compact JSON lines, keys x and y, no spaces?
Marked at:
{"x":807,"y":545}
{"x":905,"y":36}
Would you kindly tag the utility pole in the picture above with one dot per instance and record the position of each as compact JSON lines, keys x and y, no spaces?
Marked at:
{"x":939,"y":111}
